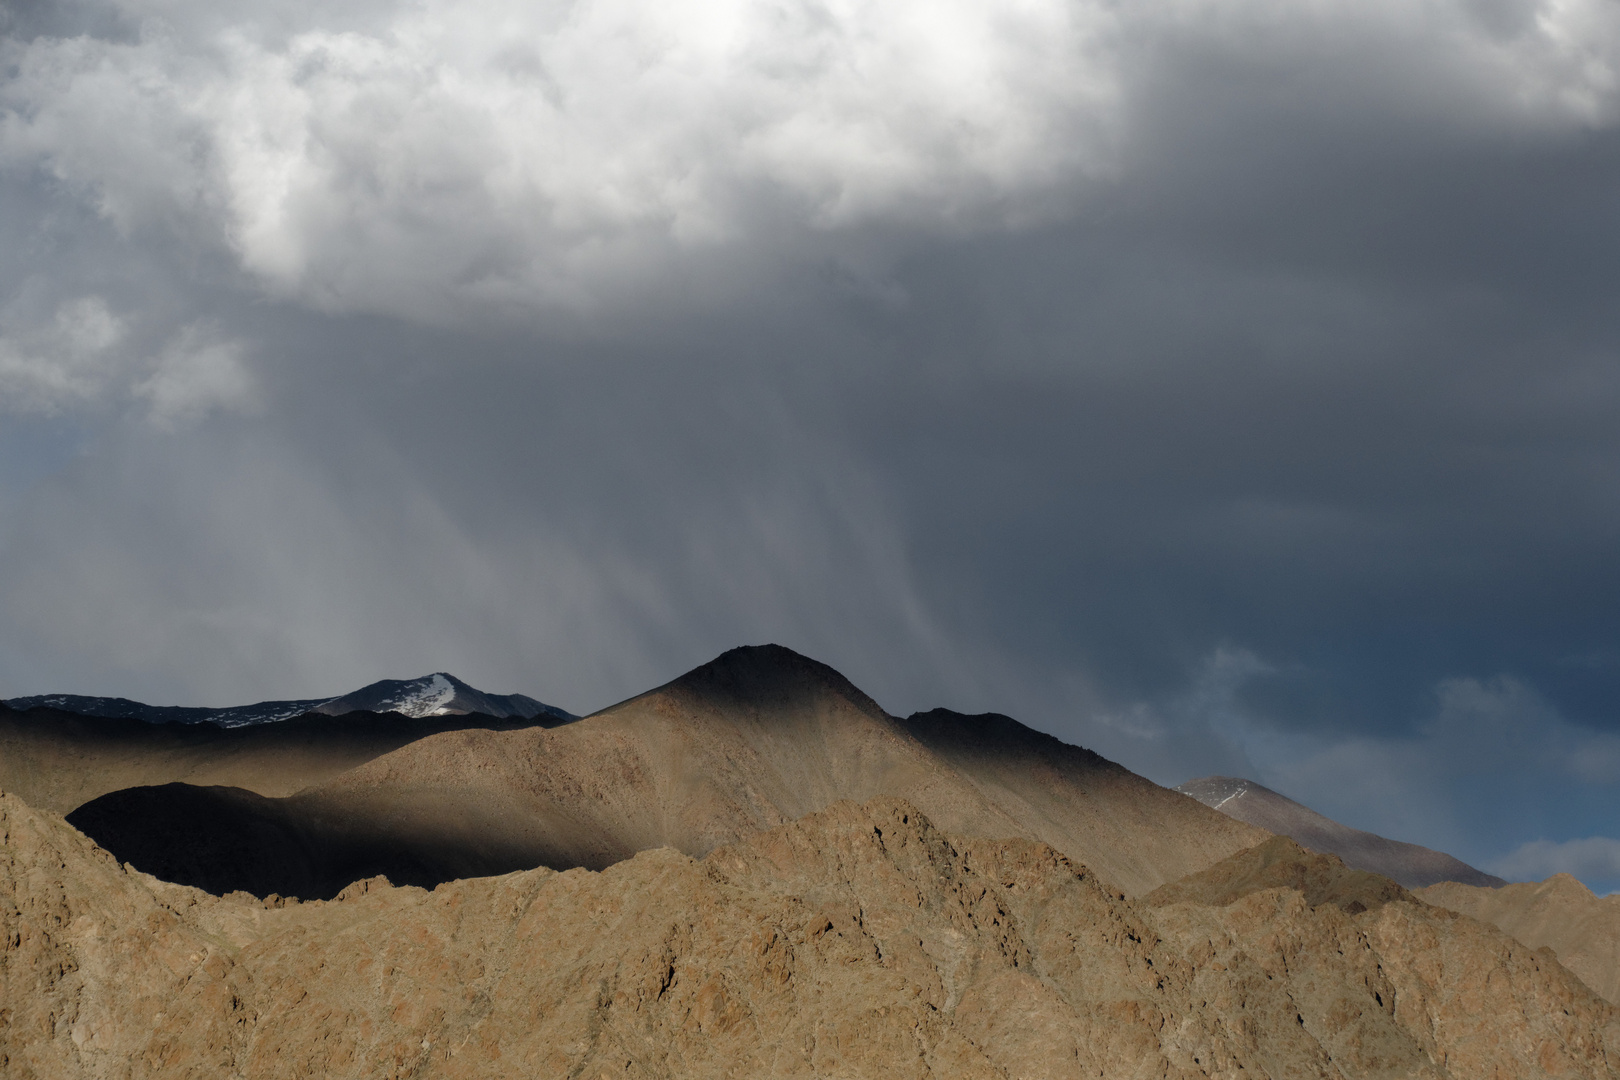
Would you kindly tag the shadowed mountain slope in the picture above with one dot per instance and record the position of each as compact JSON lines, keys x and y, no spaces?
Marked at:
{"x":1559,"y":913}
{"x":59,"y":761}
{"x":225,"y":839}
{"x":857,"y":942}
{"x":1410,"y":864}
{"x":758,"y":737}
{"x":1130,"y":830}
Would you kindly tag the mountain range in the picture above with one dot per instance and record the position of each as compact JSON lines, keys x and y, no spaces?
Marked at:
{"x":752,"y":740}
{"x":752,"y":870}
{"x":439,"y":694}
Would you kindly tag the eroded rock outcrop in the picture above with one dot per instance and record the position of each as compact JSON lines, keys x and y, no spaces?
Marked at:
{"x":858,"y":941}
{"x":1560,"y":914}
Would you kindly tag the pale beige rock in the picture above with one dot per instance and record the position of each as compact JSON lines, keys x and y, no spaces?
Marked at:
{"x":1559,"y":913}
{"x":856,"y":942}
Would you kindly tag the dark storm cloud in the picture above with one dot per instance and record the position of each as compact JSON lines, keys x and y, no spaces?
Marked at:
{"x":1228,"y":388}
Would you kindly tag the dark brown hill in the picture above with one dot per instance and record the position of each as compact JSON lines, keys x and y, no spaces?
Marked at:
{"x":756,"y":738}
{"x":1412,"y":865}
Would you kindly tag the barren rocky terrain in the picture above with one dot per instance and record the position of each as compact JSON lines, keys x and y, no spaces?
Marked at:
{"x":1559,"y":913}
{"x":753,"y":871}
{"x":857,"y":942}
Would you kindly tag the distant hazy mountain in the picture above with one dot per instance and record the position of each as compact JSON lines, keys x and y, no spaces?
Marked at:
{"x":439,"y":694}
{"x":1409,"y":864}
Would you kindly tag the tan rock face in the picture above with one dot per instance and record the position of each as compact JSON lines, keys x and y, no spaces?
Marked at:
{"x":1474,"y":1001}
{"x":1559,"y":913}
{"x":856,"y":942}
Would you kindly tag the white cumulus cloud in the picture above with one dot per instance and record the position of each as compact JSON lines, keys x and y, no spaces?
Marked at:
{"x":434,"y":158}
{"x":196,"y":373}
{"x":65,"y":362}
{"x":506,"y":151}
{"x":87,"y":356}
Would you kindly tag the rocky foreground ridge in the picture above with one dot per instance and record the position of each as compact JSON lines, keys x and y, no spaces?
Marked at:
{"x":856,"y":942}
{"x":1559,"y":913}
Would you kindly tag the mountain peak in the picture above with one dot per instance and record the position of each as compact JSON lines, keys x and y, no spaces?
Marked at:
{"x":430,"y":695}
{"x":1564,"y":882}
{"x":438,"y":694}
{"x":768,"y":675}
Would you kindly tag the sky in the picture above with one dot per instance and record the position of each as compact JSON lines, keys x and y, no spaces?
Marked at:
{"x":1225,"y":385}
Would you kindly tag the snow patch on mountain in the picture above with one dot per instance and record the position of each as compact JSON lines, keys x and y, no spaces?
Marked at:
{"x":422,"y":697}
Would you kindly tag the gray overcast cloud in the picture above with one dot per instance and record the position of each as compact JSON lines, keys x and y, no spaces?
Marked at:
{"x":1225,"y":385}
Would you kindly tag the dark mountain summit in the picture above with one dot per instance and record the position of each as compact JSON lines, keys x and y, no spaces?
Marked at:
{"x":766,"y":675}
